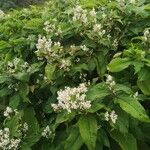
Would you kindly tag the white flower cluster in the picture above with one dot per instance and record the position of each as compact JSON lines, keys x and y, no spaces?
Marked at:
{"x":115,"y":43}
{"x":112,"y":116}
{"x":6,"y":142}
{"x":84,"y":16}
{"x":25,"y":127}
{"x":84,"y":48}
{"x":97,"y":29}
{"x":49,"y":50}
{"x":72,"y":99}
{"x":46,"y":132}
{"x":51,"y":28}
{"x":110,"y":82}
{"x":17,"y":64}
{"x":146,"y":35}
{"x":80,"y":14}
{"x":93,"y":14}
{"x":8,"y":111}
{"x":65,"y":64}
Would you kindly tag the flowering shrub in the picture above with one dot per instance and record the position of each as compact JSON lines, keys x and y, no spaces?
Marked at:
{"x":75,"y":76}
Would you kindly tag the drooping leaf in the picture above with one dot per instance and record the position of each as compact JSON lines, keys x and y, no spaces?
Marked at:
{"x":74,"y":140}
{"x":88,"y":130}
{"x":133,"y":107}
{"x":126,"y":142}
{"x":119,"y":64}
{"x":98,"y":91}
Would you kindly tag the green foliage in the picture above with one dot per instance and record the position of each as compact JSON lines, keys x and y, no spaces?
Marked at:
{"x":76,"y":75}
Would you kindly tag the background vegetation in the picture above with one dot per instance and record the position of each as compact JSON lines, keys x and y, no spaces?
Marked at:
{"x":75,"y":76}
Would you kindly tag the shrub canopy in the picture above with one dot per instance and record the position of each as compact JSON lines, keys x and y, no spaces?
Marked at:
{"x":75,"y":75}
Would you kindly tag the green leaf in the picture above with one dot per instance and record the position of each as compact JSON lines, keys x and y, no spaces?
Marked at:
{"x":74,"y":140}
{"x":126,"y":142}
{"x":5,"y":91}
{"x":24,"y":91}
{"x":133,"y":107}
{"x":144,"y":81}
{"x":122,"y":123}
{"x":119,"y":64}
{"x":4,"y":78}
{"x":101,"y":64}
{"x":98,"y":91}
{"x":13,"y":124}
{"x":14,"y":101}
{"x":95,"y":107}
{"x":64,"y":116}
{"x":49,"y":71}
{"x":22,"y":76}
{"x":29,"y":117}
{"x":103,"y":138}
{"x":88,"y":130}
{"x":144,"y":86}
{"x":124,"y":88}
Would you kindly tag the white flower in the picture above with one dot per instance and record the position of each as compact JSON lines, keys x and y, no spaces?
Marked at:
{"x":8,"y":111}
{"x":72,"y":99}
{"x":110,"y":82}
{"x":146,"y":34}
{"x":49,"y":50}
{"x":106,"y":116}
{"x":84,"y":48}
{"x":7,"y":142}
{"x":113,"y":116}
{"x":136,"y":95}
{"x":25,"y":127}
{"x":80,"y":14}
{"x":132,"y":1}
{"x":65,"y":64}
{"x":93,"y":13}
{"x":46,"y":132}
{"x":97,"y":29}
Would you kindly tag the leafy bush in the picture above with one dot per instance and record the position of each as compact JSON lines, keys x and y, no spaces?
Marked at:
{"x":7,"y":4}
{"x":76,"y":76}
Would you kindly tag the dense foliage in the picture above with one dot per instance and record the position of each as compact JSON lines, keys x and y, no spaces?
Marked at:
{"x":7,"y":4}
{"x":76,"y":76}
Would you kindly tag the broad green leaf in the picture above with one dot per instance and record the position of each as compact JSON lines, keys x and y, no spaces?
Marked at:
{"x":124,"y":88}
{"x":49,"y":71}
{"x":144,"y":86}
{"x":29,"y":117}
{"x":24,"y":91}
{"x":133,"y":107}
{"x":74,"y":140}
{"x":88,"y":130}
{"x":119,"y":64}
{"x":102,"y":138}
{"x":144,"y":81}
{"x":22,"y":76}
{"x":13,"y":124}
{"x":5,"y":91}
{"x":126,"y":141}
{"x":98,"y":91}
{"x":122,"y":123}
{"x":64,"y":116}
{"x":3,"y":79}
{"x":101,"y":64}
{"x":14,"y":101}
{"x":95,"y":107}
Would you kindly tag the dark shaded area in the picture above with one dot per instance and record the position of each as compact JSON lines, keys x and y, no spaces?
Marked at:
{"x":8,"y":4}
